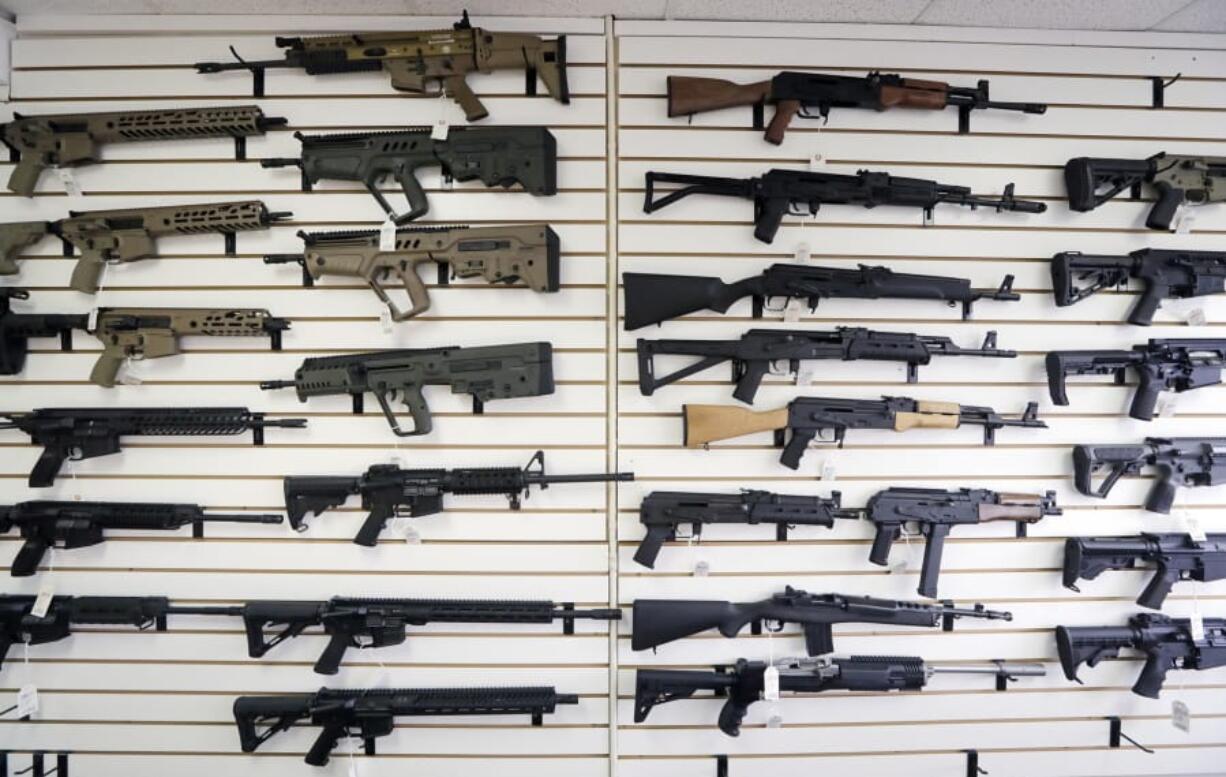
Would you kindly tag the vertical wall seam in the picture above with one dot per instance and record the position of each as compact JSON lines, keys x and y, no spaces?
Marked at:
{"x":611,"y":376}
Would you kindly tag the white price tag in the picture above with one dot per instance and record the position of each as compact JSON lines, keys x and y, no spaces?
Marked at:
{"x":1197,"y":625}
{"x":129,"y":375}
{"x":27,"y":701}
{"x":774,"y":720}
{"x":92,"y":323}
{"x":803,"y":253}
{"x":804,"y":376}
{"x":1196,"y":317}
{"x":1184,"y":218}
{"x":791,"y":311}
{"x":385,"y":321}
{"x":439,"y":130}
{"x":42,"y":602}
{"x":1166,"y":405}
{"x":1180,"y":717}
{"x":816,"y":162}
{"x":1192,"y":525}
{"x":770,"y":683}
{"x":69,"y":180}
{"x":405,"y":529}
{"x":387,"y":235}
{"x":353,"y":765}
{"x":828,"y":472}
{"x":702,"y":568}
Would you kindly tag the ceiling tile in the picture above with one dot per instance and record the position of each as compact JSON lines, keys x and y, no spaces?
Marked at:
{"x":879,"y":11}
{"x":1052,"y":14}
{"x":1200,"y":16}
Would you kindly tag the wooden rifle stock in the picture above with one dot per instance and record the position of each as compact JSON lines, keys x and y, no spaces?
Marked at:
{"x":687,"y":95}
{"x":708,"y":423}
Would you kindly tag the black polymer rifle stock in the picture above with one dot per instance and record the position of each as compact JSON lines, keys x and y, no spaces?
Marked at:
{"x":744,"y":682}
{"x":361,"y":623}
{"x":653,"y":298}
{"x":16,"y":329}
{"x":1168,"y":643}
{"x":69,"y":525}
{"x":1177,"y":179}
{"x":1179,"y":461}
{"x":103,"y":237}
{"x":77,"y":433}
{"x":935,"y":512}
{"x":780,"y":193}
{"x":663,"y":512}
{"x":413,"y":60}
{"x":1176,"y":365}
{"x":370,"y":713}
{"x":1175,"y":557}
{"x":485,"y":372}
{"x":18,"y":623}
{"x":799,"y":94}
{"x":758,"y":351}
{"x":1166,"y":274}
{"x":387,"y":491}
{"x":660,"y":621}
{"x":803,"y":419}
{"x":497,"y":156}
{"x":74,"y":139}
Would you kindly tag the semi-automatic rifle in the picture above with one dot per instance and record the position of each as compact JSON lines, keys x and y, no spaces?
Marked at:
{"x":780,"y":193}
{"x":370,"y":713}
{"x":1176,"y":365}
{"x":1180,"y":461}
{"x":77,"y":433}
{"x":16,"y":329}
{"x":800,"y":94}
{"x":387,"y":491}
{"x":1177,"y":179}
{"x":759,"y":351}
{"x":1169,"y":274}
{"x":486,"y":372}
{"x":744,"y":682}
{"x":1175,"y":557}
{"x":803,"y":419}
{"x":1168,"y":643}
{"x":74,"y":139}
{"x":653,"y":298}
{"x":417,"y":60}
{"x":103,"y":237}
{"x":660,"y":621}
{"x":526,"y":253}
{"x":68,"y":525}
{"x":497,"y":156}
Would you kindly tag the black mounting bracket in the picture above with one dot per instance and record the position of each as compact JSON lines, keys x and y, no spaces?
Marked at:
{"x":1159,"y":85}
{"x":972,"y":764}
{"x":721,"y":766}
{"x":1116,"y":733}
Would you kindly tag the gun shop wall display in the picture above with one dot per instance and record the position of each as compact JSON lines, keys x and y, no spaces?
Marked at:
{"x":581,"y":397}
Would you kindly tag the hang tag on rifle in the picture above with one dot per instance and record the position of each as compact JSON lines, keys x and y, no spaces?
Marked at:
{"x":1181,"y":718}
{"x":804,"y":376}
{"x":816,"y":162}
{"x":701,"y":567}
{"x":385,"y":322}
{"x":91,"y":323}
{"x":27,"y":701}
{"x":1184,"y":218}
{"x":1166,"y":405}
{"x":770,"y":683}
{"x":792,"y":310}
{"x":439,"y":130}
{"x":803,"y":253}
{"x":1196,"y":316}
{"x":1196,"y":624}
{"x":828,"y":470}
{"x":69,"y":179}
{"x":129,"y":375}
{"x":404,"y":528}
{"x":387,"y":235}
{"x":42,"y":601}
{"x":1192,"y":525}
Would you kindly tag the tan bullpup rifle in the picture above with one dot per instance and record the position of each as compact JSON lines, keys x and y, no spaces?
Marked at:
{"x":415,"y":59}
{"x":525,"y":253}
{"x":128,"y":235}
{"x":74,"y":139}
{"x":798,"y":94}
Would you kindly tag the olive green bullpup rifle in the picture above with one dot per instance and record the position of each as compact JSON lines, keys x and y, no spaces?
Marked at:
{"x":74,"y":139}
{"x":118,"y":236}
{"x":412,"y":60}
{"x":526,"y":253}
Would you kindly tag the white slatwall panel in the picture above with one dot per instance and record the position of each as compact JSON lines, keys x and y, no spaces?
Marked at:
{"x":131,"y":703}
{"x":145,"y":704}
{"x":1099,"y":107}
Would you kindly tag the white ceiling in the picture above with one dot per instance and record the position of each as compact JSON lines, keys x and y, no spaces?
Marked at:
{"x":1164,"y":15}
